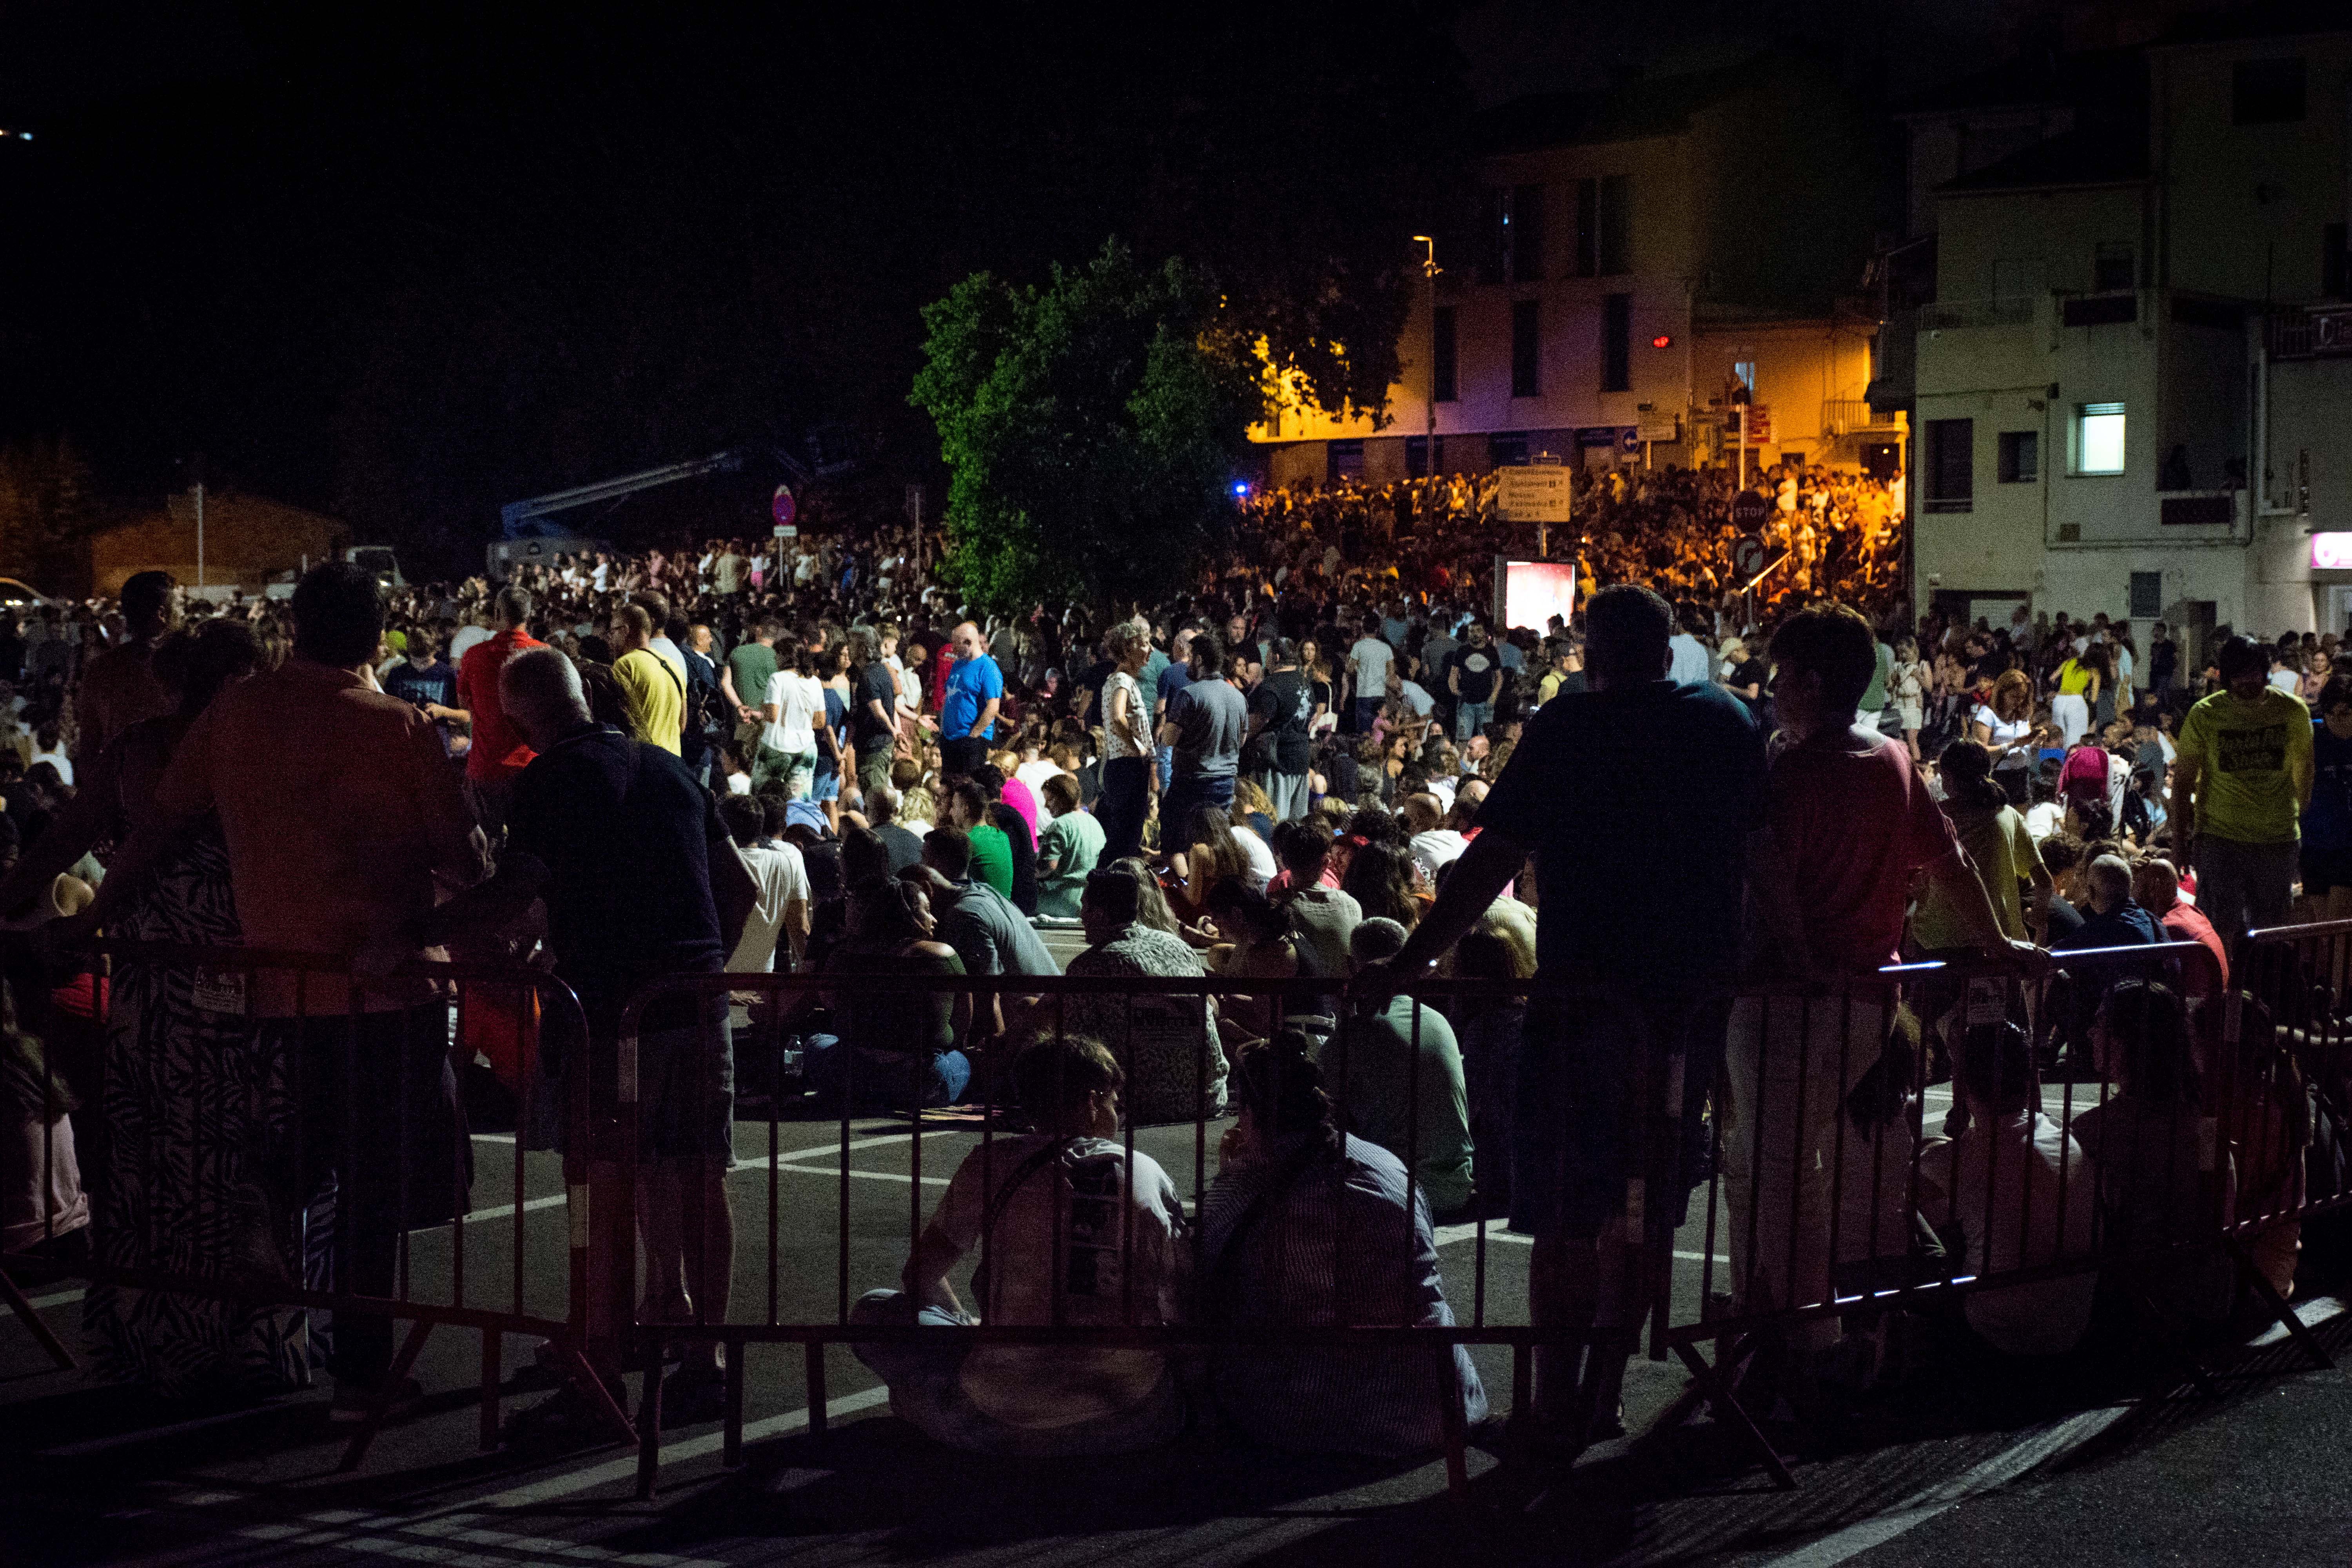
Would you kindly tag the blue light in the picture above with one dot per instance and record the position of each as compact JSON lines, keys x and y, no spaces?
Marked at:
{"x":1241,"y":487}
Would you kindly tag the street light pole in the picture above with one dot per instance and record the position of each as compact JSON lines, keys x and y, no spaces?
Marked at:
{"x":1429,"y":270}
{"x":200,"y":533}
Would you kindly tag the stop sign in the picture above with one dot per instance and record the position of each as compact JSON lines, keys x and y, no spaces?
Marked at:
{"x":1749,"y":510}
{"x":783,"y":507}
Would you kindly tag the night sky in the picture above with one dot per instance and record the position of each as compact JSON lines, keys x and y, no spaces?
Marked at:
{"x":406,"y":266}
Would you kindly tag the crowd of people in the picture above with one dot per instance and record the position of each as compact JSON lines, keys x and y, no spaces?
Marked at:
{"x":1323,"y":761}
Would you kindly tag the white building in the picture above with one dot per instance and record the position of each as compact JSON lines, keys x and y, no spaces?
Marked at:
{"x":2131,"y":314}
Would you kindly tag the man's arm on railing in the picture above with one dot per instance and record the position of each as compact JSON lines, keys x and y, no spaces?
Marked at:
{"x":1477,"y":880}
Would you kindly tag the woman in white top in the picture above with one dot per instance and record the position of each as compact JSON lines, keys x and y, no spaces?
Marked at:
{"x":1126,"y":797}
{"x":795,"y":709}
{"x":2005,"y":726}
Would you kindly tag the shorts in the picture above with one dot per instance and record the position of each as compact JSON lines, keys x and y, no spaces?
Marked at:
{"x":1573,"y":1146}
{"x":874,"y":769}
{"x":1914,"y":717}
{"x":686,"y":1090}
{"x":2325,"y":870}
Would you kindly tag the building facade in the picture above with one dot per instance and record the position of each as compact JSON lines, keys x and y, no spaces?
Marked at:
{"x":2131,"y":317}
{"x":1644,"y":262}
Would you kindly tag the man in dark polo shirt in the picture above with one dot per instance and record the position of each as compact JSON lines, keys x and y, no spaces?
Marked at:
{"x":1636,"y":798}
{"x":640,"y":879}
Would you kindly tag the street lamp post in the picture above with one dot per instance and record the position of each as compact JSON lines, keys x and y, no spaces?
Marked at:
{"x":1428,"y":269}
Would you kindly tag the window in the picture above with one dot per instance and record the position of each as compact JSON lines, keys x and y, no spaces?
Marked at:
{"x":2266,"y":92}
{"x":2021,"y":457}
{"x":1616,"y":226}
{"x":1588,"y":227}
{"x":1344,"y":460}
{"x":2099,"y":438}
{"x":1507,"y":449}
{"x":2335,"y":262}
{"x":2112,"y":268}
{"x":1745,"y":369}
{"x":1494,"y":237}
{"x":1416,"y":457}
{"x":1616,"y":342}
{"x":1950,"y":476}
{"x":1527,"y":360}
{"x":1441,"y":334}
{"x":2147,"y":595}
{"x":1527,"y":233}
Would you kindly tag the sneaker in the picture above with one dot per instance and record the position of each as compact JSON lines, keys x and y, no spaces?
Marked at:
{"x":567,"y":1418}
{"x":354,"y":1401}
{"x":692,"y":1397}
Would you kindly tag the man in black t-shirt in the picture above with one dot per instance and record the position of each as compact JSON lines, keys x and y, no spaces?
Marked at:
{"x":1280,"y":712}
{"x":640,"y":879}
{"x":1474,"y":677}
{"x":429,"y":684}
{"x":873,"y":711}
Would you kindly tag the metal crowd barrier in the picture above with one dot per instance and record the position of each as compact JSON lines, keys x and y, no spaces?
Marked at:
{"x":286,"y":1042}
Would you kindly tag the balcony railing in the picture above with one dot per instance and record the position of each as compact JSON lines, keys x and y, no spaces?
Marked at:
{"x":2017,"y":312}
{"x":1855,"y":416}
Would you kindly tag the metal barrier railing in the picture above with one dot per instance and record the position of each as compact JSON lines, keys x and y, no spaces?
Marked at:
{"x":2170,"y":1140}
{"x":278,"y":1130}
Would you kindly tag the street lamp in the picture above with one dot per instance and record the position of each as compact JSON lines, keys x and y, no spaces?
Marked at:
{"x":1428,"y":269}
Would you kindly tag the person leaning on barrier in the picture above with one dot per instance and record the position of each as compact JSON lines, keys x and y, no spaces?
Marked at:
{"x":1636,"y":796}
{"x":1303,"y":1226}
{"x":639,"y":879}
{"x":1058,"y":1216}
{"x":1849,"y":822}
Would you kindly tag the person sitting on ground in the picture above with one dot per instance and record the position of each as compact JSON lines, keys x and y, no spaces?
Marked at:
{"x":992,"y":852}
{"x":1398,"y":1077}
{"x":1060,"y":1217}
{"x":2162,"y":1182}
{"x":2116,"y":919}
{"x":1306,"y":1225}
{"x":2011,"y":1192}
{"x":1257,"y":944}
{"x":2156,"y":886}
{"x":1176,"y":1065}
{"x":882,"y":807}
{"x":892,"y":1049}
{"x":1068,"y":850}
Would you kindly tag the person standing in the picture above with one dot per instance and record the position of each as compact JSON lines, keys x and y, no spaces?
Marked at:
{"x":2238,"y":788}
{"x":119,"y":687}
{"x":1204,"y":726}
{"x":639,"y":878}
{"x":1474,"y":677}
{"x":1280,"y":712}
{"x":874,"y":718}
{"x":794,"y":711}
{"x":656,"y":690}
{"x":340,"y":812}
{"x":975,"y":688}
{"x":1636,"y":797}
{"x":428,"y":684}
{"x":1369,"y":660}
{"x":1127,"y":761}
{"x":499,"y":753}
{"x":744,"y":682}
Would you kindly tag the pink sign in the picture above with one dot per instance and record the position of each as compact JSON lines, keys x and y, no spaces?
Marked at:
{"x":2331,"y":551}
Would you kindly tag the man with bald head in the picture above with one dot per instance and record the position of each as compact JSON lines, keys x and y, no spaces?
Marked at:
{"x":975,"y":688}
{"x":2116,"y":917}
{"x":640,"y":879}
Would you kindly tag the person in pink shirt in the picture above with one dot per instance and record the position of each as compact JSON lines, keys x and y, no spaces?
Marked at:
{"x":1849,"y":823}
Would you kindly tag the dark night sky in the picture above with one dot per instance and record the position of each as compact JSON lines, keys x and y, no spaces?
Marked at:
{"x":405,"y":264}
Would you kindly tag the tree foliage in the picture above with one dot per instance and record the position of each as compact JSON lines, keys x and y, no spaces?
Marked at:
{"x":46,"y":512}
{"x":1089,"y":428}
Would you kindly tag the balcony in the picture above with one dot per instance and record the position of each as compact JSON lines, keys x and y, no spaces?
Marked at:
{"x":1855,"y":416}
{"x":2320,"y":332}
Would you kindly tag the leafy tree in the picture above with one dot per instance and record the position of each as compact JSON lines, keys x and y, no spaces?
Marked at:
{"x":1089,"y":427}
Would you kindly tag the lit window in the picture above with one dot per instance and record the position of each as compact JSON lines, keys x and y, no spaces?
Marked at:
{"x":2099,"y":438}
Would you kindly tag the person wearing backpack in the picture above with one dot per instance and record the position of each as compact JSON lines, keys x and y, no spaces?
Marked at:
{"x":1057,"y":1215}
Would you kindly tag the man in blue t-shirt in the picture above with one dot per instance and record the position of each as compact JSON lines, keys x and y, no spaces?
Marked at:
{"x":1174,"y":676}
{"x":975,"y":688}
{"x":1636,"y":797}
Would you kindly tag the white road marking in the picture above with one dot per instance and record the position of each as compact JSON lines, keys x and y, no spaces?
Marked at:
{"x":2311,"y":1314}
{"x":1447,"y":1234}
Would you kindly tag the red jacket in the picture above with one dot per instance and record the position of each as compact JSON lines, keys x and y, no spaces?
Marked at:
{"x":499,"y":752}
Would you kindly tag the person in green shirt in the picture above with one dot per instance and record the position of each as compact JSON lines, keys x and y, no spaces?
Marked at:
{"x":2238,"y":788}
{"x":743,"y":680}
{"x":1071,"y":847}
{"x":992,"y":852}
{"x":1418,"y":1109}
{"x":1999,"y":849}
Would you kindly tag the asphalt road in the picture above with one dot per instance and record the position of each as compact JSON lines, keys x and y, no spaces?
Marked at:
{"x":2134,"y":1470}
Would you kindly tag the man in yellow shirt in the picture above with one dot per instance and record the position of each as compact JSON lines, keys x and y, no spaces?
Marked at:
{"x":2238,"y":788}
{"x":657,"y":696}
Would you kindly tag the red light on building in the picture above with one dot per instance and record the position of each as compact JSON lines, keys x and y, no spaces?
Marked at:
{"x":1662,"y":342}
